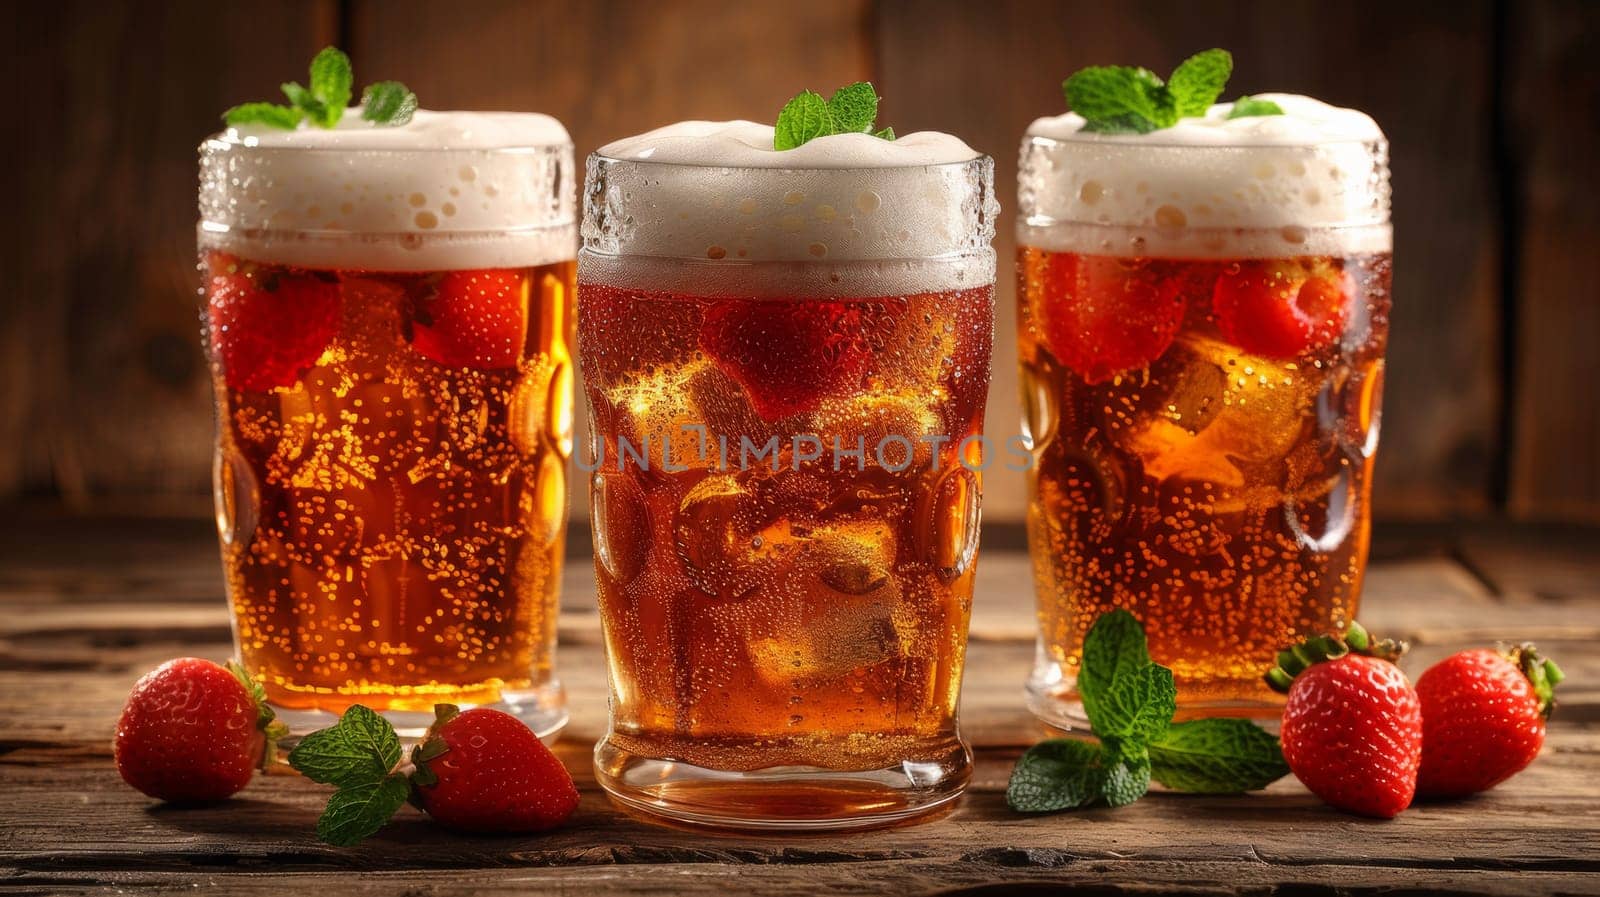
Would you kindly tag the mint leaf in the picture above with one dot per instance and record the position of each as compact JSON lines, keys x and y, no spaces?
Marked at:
{"x":1057,"y":774}
{"x":1113,"y":97}
{"x":1127,"y":772}
{"x":355,"y":813}
{"x":270,"y":114}
{"x":357,"y":751}
{"x":331,"y":82}
{"x":1245,"y":107}
{"x":1198,"y":81}
{"x":803,"y":118}
{"x":1217,"y":756}
{"x":1137,"y":707}
{"x":388,"y":103}
{"x":299,"y":97}
{"x":853,"y":109}
{"x":1114,"y":648}
{"x":1122,"y":124}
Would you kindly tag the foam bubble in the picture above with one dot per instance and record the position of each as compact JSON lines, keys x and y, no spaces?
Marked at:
{"x":1314,"y":180}
{"x":450,"y":190}
{"x":747,"y":144}
{"x":717,"y":192}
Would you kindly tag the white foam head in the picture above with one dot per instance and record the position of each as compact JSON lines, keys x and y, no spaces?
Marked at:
{"x":1311,"y":181}
{"x":717,"y":193}
{"x":449,"y":190}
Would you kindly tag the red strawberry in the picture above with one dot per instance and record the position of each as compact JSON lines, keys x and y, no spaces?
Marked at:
{"x":1103,"y":316}
{"x":1280,"y":310}
{"x":268,"y":325}
{"x":474,"y":319}
{"x":788,"y":354}
{"x":485,"y":771}
{"x":1352,"y":727}
{"x":1483,"y":716}
{"x":194,"y":731}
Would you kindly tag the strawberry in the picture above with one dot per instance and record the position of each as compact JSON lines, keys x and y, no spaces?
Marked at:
{"x":478,"y":771}
{"x":1281,"y":310}
{"x":788,"y":354}
{"x":1106,"y":316}
{"x":485,"y":771}
{"x":268,"y":325}
{"x":473,"y":319}
{"x":194,"y":731}
{"x":1483,"y":718}
{"x":1352,"y":727}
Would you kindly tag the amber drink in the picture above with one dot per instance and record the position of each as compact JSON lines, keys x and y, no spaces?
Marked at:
{"x":1202,"y":318}
{"x":389,"y":319}
{"x":785,"y":356}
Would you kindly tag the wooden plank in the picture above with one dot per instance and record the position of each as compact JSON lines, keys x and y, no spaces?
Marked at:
{"x":106,"y":388}
{"x":1535,"y":836}
{"x":981,"y":872}
{"x":1542,"y":824}
{"x":1553,"y":138}
{"x":985,"y":70}
{"x":614,"y":68}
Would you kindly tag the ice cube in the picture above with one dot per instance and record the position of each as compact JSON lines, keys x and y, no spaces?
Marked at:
{"x":835,"y":607}
{"x":894,"y":425}
{"x":658,"y":408}
{"x":1211,"y":413}
{"x":730,"y":536}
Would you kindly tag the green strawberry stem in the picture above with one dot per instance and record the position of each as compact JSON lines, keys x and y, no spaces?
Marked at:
{"x":1295,"y":659}
{"x":1542,"y":673}
{"x":274,"y":729}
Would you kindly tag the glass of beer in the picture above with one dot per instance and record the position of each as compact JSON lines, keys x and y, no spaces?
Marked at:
{"x":785,"y":356}
{"x":1202,"y":319}
{"x":389,"y":322}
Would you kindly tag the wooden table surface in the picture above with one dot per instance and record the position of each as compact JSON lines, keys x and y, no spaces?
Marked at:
{"x":88,"y":605}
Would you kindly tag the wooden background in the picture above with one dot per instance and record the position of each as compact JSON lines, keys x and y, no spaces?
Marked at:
{"x":1492,"y":402}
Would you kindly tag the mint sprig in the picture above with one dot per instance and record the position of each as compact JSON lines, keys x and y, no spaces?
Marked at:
{"x":323,"y":102}
{"x":1130,"y":701}
{"x":853,"y":109}
{"x":1121,"y":99}
{"x":360,"y":756}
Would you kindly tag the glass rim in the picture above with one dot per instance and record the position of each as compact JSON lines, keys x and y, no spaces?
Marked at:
{"x":978,"y":159}
{"x":220,"y":142}
{"x":1047,"y":140}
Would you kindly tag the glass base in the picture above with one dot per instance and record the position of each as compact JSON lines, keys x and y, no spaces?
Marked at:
{"x":543,"y":709}
{"x":1053,"y":698}
{"x":785,"y":798}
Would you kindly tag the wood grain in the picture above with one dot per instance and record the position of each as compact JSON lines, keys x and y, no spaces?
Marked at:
{"x":91,"y":603}
{"x":1554,"y":92}
{"x":106,"y":390}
